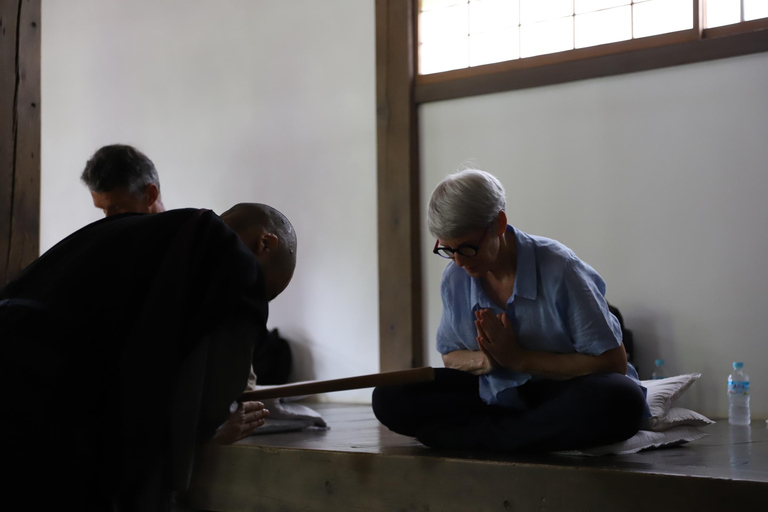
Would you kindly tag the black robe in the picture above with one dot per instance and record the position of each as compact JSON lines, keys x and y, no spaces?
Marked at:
{"x":122,"y":349}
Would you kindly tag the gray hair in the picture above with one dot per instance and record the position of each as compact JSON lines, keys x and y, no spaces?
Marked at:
{"x":119,"y":166}
{"x":464,"y":202}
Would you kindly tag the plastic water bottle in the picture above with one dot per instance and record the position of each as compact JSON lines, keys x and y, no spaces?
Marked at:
{"x":738,"y":396}
{"x":658,"y":370}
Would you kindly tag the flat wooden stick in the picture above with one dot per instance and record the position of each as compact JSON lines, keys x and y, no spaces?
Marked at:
{"x":425,"y":374}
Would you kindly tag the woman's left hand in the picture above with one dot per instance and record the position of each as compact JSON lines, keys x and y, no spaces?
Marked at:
{"x":498,"y":340}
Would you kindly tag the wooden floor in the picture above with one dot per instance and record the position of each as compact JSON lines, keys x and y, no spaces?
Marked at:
{"x":359,"y":465}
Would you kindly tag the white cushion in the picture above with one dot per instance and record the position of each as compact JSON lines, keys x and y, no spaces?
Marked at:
{"x":662,"y":393}
{"x":680,"y":416}
{"x":667,"y":426}
{"x":646,"y":439}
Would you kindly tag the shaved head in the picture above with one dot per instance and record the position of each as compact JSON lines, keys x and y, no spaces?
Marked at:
{"x":270,"y":237}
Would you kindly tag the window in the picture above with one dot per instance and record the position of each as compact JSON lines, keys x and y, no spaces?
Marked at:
{"x":728,"y":12}
{"x":455,"y":34}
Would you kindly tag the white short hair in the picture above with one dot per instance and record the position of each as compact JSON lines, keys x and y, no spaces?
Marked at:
{"x":463,"y":202}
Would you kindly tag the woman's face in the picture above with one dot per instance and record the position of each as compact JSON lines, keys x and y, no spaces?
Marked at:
{"x":487,"y":244}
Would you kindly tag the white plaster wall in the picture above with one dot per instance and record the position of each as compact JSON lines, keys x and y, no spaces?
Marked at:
{"x":660,"y":181}
{"x":238,"y":100}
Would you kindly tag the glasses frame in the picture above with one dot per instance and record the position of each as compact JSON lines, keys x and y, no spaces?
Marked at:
{"x":474,"y":247}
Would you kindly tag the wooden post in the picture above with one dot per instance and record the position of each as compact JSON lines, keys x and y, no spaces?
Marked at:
{"x":19,"y":135}
{"x":400,"y":308}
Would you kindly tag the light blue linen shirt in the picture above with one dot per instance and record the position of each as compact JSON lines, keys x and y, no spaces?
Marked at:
{"x":557,"y":305}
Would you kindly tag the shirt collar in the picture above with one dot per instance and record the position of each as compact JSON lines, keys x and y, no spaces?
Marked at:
{"x":525,"y":277}
{"x":479,"y":298}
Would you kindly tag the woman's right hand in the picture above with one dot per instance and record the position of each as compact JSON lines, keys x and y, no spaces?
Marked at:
{"x":475,"y":362}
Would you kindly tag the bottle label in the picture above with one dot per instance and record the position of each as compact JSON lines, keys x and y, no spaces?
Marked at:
{"x":738,"y":387}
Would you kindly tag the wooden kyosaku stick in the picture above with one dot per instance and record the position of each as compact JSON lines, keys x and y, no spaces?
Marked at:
{"x":425,"y":374}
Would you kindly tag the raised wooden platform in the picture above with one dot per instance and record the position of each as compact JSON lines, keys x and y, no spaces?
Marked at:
{"x":358,"y":465}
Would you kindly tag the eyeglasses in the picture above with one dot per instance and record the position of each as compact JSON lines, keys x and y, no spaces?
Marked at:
{"x":464,"y":249}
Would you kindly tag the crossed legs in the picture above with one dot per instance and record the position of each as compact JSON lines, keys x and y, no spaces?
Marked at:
{"x":561,"y":415}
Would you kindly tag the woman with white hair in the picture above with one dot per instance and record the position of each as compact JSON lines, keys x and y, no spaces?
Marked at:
{"x":534,"y":359}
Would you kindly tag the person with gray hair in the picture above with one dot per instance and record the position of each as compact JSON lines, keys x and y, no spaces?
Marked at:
{"x":464,"y":201}
{"x":122,"y":179}
{"x":534,"y":358}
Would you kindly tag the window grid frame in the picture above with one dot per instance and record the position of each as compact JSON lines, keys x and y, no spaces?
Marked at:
{"x":740,"y":38}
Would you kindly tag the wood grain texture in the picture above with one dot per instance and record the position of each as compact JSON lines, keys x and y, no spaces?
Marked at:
{"x":358,"y":465}
{"x":9,"y":13}
{"x":19,"y":136}
{"x":396,"y":378}
{"x":400,"y":317}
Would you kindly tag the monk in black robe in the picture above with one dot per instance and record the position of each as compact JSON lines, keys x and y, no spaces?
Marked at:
{"x":124,"y":347}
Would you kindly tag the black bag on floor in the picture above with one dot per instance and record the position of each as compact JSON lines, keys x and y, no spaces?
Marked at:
{"x":629,"y":341}
{"x":272,"y":360}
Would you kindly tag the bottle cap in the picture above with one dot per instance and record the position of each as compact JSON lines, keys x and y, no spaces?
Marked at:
{"x":659,"y":362}
{"x":738,"y":366}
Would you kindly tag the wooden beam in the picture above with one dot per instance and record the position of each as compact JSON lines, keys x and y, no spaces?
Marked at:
{"x":19,"y":136}
{"x":400,"y":308}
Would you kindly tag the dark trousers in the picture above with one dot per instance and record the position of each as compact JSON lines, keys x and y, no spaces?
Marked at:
{"x":52,"y":436}
{"x":571,"y":414}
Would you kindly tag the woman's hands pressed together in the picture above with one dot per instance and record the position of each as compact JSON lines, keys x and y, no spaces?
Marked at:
{"x":498,"y":341}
